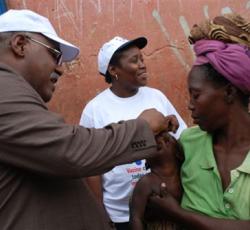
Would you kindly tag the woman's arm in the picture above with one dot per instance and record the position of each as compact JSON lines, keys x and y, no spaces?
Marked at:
{"x":166,"y":205}
{"x":197,"y":221}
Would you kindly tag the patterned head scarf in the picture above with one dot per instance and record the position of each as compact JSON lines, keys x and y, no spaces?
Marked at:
{"x":224,"y":42}
{"x":229,"y":28}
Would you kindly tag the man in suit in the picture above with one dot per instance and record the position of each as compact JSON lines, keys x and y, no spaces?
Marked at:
{"x":42,"y":159}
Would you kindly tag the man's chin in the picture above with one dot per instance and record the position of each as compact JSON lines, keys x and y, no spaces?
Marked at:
{"x":48,"y":97}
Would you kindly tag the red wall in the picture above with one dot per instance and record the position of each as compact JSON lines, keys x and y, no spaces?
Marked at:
{"x":90,"y":23}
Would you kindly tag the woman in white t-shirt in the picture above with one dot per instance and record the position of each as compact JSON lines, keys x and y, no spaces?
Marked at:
{"x":121,"y":62}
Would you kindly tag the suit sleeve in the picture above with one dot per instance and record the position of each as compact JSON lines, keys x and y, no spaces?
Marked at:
{"x":37,"y":140}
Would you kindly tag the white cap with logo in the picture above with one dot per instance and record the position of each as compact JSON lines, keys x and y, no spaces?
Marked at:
{"x":29,"y":21}
{"x":109,"y":48}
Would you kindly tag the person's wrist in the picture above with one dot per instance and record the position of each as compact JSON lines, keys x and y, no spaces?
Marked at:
{"x":178,"y":213}
{"x":151,"y":127}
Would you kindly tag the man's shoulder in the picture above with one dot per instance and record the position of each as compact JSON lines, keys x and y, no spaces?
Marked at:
{"x":7,"y":74}
{"x":14,"y":86}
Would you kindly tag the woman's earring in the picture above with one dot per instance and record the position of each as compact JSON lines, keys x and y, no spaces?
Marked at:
{"x":116,"y":77}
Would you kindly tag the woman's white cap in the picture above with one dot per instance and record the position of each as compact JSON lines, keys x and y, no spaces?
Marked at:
{"x":109,"y":48}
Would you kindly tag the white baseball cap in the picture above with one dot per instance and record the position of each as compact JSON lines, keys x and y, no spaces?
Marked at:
{"x":29,"y":21}
{"x":109,"y":48}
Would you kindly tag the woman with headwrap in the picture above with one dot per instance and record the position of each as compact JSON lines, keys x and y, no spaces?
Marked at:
{"x":216,"y":171}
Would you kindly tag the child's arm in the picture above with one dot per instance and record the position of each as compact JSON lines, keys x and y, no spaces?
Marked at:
{"x":139,"y":201}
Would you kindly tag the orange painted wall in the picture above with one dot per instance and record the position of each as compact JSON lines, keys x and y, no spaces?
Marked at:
{"x":89,"y":23}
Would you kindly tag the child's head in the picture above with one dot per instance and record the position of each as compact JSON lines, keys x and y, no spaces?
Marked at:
{"x":170,"y":153}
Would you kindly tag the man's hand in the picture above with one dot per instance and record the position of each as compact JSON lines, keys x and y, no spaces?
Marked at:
{"x":172,"y":123}
{"x":158,"y":122}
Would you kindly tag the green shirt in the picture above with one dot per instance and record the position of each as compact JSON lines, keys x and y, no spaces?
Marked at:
{"x":201,"y":180}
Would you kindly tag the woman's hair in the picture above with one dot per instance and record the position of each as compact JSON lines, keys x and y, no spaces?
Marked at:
{"x":214,"y":76}
{"x":218,"y":80}
{"x":115,"y":61}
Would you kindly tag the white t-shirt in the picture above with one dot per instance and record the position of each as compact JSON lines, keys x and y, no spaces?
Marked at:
{"x":108,"y":108}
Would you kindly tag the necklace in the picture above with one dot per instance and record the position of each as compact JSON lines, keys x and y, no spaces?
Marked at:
{"x":157,"y":174}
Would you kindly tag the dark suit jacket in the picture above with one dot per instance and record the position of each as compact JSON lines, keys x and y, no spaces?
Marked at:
{"x":43,"y":160}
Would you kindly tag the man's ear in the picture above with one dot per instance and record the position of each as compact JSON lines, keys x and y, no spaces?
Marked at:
{"x":230,"y":93}
{"x":18,"y":43}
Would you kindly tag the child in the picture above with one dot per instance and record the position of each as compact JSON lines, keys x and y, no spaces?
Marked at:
{"x":164,"y":168}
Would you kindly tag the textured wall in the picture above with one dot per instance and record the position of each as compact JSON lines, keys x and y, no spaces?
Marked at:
{"x":89,"y":23}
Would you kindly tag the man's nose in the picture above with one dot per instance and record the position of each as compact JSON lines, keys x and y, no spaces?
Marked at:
{"x":59,"y":70}
{"x":56,"y":74}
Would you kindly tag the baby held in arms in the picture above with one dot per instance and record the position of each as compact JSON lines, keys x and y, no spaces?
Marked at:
{"x":165,"y":168}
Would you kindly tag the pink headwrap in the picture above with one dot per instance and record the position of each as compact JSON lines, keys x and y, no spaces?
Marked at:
{"x":230,"y":60}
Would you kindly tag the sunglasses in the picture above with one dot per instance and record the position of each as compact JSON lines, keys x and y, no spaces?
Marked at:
{"x":56,"y":53}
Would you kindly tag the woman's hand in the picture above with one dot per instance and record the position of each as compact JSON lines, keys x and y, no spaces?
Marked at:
{"x":161,"y":206}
